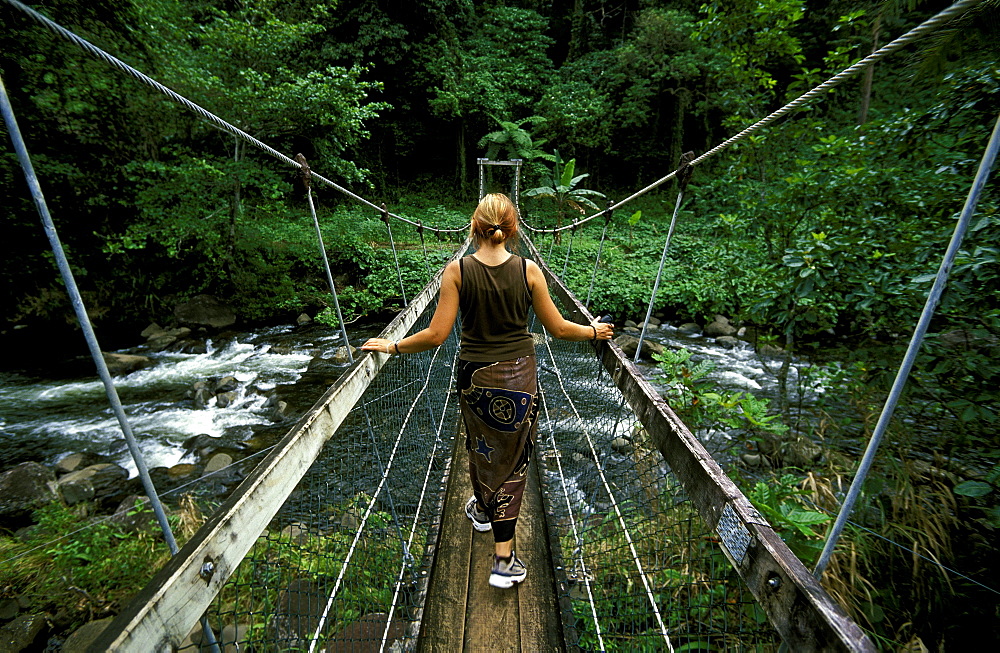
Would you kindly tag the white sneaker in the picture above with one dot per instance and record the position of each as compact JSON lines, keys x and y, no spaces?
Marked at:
{"x":480,"y":520}
{"x":507,"y":572}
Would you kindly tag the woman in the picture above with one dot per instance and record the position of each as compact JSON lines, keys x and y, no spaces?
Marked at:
{"x":496,"y":373}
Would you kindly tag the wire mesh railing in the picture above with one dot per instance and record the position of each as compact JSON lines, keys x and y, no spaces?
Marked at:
{"x":639,"y":568}
{"x":344,"y":559}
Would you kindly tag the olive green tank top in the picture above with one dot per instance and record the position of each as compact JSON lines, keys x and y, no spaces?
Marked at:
{"x":494,"y":301}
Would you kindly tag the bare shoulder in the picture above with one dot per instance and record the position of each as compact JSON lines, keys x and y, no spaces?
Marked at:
{"x":534,"y":274}
{"x":452,"y":274}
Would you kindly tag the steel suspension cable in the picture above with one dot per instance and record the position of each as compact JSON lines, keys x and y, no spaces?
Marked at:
{"x":933,"y":297}
{"x":608,"y":216}
{"x":684,"y":170}
{"x":395,"y":256}
{"x":204,"y":113}
{"x":922,"y":30}
{"x":83,"y":319}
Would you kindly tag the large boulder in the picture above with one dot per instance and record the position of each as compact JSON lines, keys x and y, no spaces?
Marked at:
{"x":298,"y":613}
{"x":22,"y":490}
{"x":366,"y":634}
{"x":630,"y":343}
{"x":26,"y":633}
{"x":689,"y":329}
{"x":720,"y":326}
{"x":106,"y":481}
{"x":79,"y":460}
{"x":205,"y":310}
{"x":125,"y":363}
{"x":85,"y":635}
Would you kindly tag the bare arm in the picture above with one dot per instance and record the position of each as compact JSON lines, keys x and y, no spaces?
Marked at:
{"x":441,"y":323}
{"x":552,"y":320}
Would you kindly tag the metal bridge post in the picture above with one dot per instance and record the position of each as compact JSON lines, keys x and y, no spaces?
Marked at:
{"x":88,"y":331}
{"x":982,"y":174}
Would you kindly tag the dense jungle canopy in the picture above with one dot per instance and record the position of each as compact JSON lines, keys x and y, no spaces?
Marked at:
{"x":828,"y":223}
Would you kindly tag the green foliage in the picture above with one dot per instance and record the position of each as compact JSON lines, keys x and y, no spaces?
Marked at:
{"x":561,"y":187}
{"x":278,"y":559}
{"x":66,"y":561}
{"x":698,"y":402}
{"x":779,"y":501}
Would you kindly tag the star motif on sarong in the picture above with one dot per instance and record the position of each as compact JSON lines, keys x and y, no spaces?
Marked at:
{"x":483,"y":449}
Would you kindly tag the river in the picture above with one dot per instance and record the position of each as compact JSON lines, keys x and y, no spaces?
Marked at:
{"x":43,"y":419}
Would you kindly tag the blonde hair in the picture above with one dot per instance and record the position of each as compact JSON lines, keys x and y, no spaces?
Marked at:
{"x":495,"y":219}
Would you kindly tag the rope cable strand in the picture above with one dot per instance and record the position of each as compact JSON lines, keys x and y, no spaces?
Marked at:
{"x":922,"y":30}
{"x":201,"y":111}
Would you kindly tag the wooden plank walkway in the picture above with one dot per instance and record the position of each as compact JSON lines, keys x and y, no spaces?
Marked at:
{"x":462,"y":611}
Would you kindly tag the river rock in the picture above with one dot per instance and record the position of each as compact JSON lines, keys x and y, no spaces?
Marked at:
{"x":653,"y":322}
{"x":75,"y":489}
{"x":79,"y":460}
{"x":225,"y":384}
{"x":620,"y":445}
{"x":225,"y":399}
{"x":160,"y":343}
{"x":205,"y":310}
{"x":85,"y":635}
{"x":689,"y":329}
{"x":125,"y":363}
{"x":299,"y":609}
{"x":201,"y":398}
{"x":152,"y":331}
{"x":23,"y":489}
{"x":366,"y":633}
{"x":720,"y":326}
{"x":107,"y":480}
{"x":279,"y":411}
{"x":26,"y":633}
{"x":218,"y":462}
{"x":770,"y":350}
{"x":203,"y":446}
{"x":9,"y":608}
{"x":133,"y":519}
{"x":236,"y":638}
{"x":341,"y":357}
{"x":629,"y":344}
{"x":168,"y":478}
{"x":630,"y":324}
{"x":727,"y":342}
{"x":631,"y":330}
{"x":801,"y":453}
{"x":303,"y":319}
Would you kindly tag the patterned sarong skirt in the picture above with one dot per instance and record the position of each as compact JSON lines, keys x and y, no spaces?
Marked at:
{"x":500,"y":409}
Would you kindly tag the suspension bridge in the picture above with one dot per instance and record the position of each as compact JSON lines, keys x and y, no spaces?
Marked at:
{"x":350,"y":534}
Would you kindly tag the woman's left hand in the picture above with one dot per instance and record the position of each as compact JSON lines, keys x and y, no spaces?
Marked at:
{"x":379,"y":344}
{"x":603,"y":330}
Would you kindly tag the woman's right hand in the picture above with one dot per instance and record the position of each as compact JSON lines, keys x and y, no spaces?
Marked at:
{"x":605,"y":330}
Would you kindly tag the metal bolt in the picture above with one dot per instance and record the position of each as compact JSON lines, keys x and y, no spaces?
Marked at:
{"x":207,"y":570}
{"x":774,"y":582}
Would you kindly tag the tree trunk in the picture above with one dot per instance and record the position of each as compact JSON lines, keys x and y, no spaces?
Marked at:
{"x":235,"y":210}
{"x":866,"y":84}
{"x":462,"y":163}
{"x":577,"y":38}
{"x":682,"y":100}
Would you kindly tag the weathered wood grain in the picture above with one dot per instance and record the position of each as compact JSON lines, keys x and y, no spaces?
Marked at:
{"x":443,"y":627}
